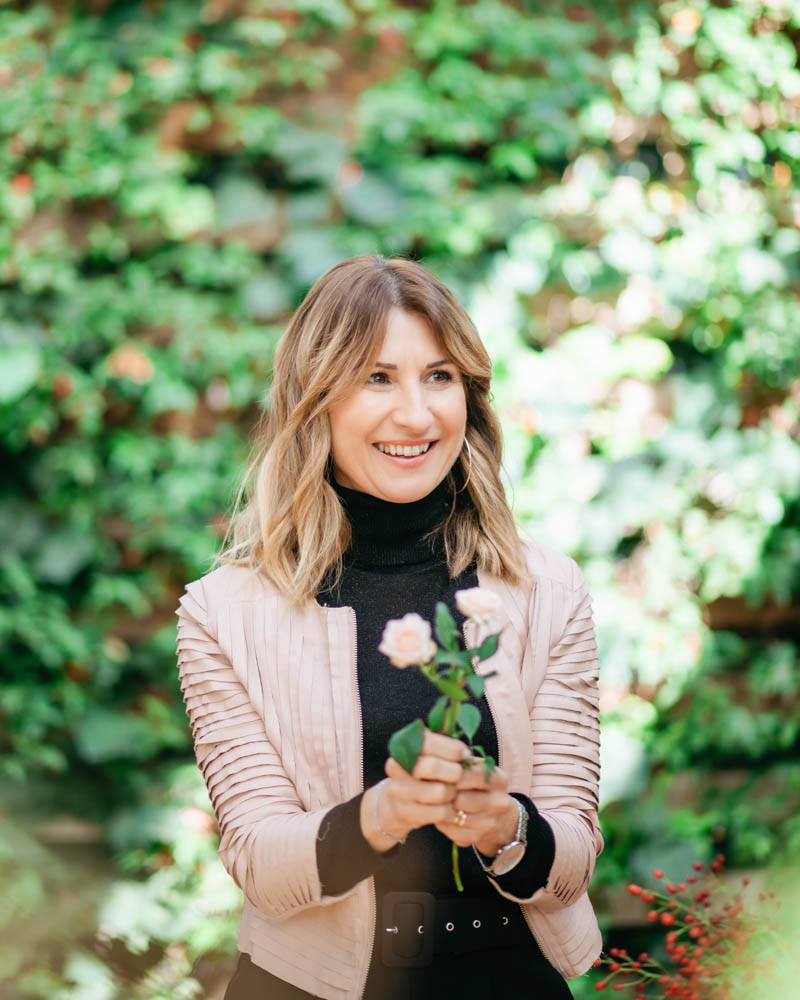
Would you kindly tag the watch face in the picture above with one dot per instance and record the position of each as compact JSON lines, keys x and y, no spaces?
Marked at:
{"x":508,"y":858}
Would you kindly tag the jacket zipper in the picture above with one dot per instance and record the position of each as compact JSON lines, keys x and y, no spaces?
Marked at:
{"x":373,"y":906}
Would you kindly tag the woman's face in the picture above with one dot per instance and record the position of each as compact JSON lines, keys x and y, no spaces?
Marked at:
{"x":412,"y":401}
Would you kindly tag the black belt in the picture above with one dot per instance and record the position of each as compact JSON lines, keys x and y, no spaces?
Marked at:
{"x":415,"y":926}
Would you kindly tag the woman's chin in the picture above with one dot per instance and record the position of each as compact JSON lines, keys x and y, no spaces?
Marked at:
{"x":400,"y":492}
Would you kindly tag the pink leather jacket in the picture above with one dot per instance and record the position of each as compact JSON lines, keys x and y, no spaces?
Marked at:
{"x":272,"y":698}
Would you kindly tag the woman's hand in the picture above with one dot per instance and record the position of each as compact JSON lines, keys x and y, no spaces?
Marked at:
{"x":436,"y":791}
{"x":484,"y":814}
{"x":403,"y":802}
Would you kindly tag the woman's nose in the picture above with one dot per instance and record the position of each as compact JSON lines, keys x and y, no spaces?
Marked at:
{"x":412,"y":409}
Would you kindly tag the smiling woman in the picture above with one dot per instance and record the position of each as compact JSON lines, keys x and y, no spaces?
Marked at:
{"x":375,"y":494}
{"x":370,"y":350}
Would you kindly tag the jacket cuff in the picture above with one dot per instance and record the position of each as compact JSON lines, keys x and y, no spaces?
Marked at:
{"x":533,"y":870}
{"x":344,"y":856}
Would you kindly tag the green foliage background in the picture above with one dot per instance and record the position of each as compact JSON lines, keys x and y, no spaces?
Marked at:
{"x":611,"y":191}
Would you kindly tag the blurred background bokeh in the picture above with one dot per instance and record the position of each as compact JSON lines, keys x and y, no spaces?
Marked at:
{"x":611,"y":191}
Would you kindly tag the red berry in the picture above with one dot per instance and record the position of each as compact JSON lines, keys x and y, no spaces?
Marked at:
{"x":697,"y":865}
{"x":657,"y":873}
{"x":667,"y":919}
{"x":634,"y":890}
{"x":601,"y":986}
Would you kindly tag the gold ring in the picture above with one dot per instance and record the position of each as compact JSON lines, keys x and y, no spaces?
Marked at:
{"x":460,"y":818}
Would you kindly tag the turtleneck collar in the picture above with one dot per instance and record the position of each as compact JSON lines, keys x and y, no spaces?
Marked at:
{"x":393,"y":534}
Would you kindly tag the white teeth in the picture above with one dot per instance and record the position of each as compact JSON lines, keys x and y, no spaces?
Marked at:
{"x":407,"y":451}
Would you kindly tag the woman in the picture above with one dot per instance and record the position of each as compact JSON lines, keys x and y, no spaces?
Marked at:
{"x":375,"y":491}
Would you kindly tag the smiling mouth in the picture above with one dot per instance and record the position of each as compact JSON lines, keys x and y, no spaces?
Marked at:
{"x":405,"y":450}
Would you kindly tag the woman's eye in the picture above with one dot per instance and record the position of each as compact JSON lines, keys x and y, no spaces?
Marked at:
{"x":440,"y":375}
{"x":378,"y":378}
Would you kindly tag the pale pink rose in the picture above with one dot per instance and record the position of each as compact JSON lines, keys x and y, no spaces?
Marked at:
{"x":407,"y":641}
{"x":477,"y":603}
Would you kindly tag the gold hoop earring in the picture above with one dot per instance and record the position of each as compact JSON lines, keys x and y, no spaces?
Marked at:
{"x":469,"y":470}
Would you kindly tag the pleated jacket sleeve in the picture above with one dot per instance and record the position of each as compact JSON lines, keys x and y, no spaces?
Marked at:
{"x":564,"y":729}
{"x":268,"y":840}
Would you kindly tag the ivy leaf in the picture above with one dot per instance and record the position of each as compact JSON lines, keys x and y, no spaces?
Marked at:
{"x":469,"y":718}
{"x":436,"y":714}
{"x":19,"y":370}
{"x":445,"y":627}
{"x":406,"y":743}
{"x":475,"y":683}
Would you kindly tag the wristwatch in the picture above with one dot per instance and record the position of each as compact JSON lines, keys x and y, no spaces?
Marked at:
{"x":508,"y":857}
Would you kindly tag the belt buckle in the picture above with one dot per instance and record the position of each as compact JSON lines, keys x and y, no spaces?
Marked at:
{"x":407,"y":929}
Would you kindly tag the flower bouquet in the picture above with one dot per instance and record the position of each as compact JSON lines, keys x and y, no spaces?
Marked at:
{"x":448,"y":665}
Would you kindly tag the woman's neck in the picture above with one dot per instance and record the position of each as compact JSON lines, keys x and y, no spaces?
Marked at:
{"x":393,"y":534}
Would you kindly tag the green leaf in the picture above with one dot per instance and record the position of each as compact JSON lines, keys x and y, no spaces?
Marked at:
{"x":406,"y":743}
{"x":436,"y":714}
{"x":456,"y":659}
{"x":445,"y":627}
{"x":469,"y":718}
{"x":488,"y":647}
{"x":488,"y":766}
{"x":451,"y":689}
{"x":20,"y":366}
{"x":475,"y":684}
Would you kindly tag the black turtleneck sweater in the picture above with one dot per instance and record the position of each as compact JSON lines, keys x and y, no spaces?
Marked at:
{"x":396,"y":563}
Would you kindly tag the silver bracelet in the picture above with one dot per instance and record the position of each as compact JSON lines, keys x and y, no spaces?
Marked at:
{"x":376,"y":822}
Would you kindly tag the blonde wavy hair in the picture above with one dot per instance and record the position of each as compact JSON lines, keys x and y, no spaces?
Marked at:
{"x":287,"y":520}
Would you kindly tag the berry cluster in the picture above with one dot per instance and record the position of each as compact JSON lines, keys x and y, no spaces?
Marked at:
{"x":708,"y":928}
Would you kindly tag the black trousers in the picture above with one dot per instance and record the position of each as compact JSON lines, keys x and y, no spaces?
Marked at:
{"x":495,"y":974}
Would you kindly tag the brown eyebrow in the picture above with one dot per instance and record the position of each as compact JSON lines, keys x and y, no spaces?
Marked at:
{"x":433,"y":364}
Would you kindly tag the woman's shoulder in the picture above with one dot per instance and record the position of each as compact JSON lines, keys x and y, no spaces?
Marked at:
{"x":544,"y":565}
{"x":231,"y":583}
{"x":544,"y":562}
